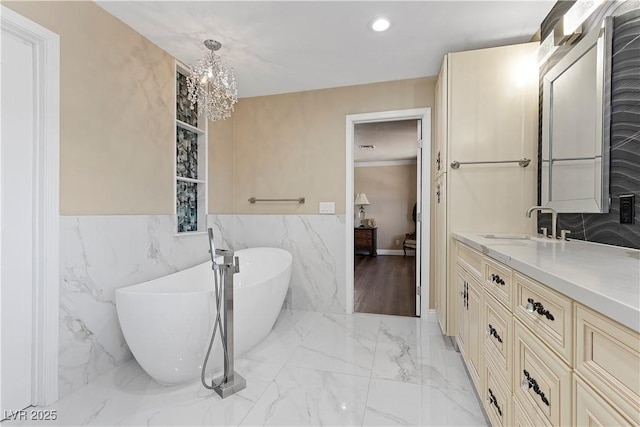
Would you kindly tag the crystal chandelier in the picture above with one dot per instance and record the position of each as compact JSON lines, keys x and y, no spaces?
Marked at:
{"x":212,"y":85}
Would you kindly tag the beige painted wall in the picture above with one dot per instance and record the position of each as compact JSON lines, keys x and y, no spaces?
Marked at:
{"x":221,"y":166}
{"x":117,"y":131}
{"x":391,"y":190}
{"x":116,"y":112}
{"x":293,"y":145}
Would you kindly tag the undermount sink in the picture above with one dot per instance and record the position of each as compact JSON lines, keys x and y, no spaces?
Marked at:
{"x":507,"y":236}
{"x":520,"y":237}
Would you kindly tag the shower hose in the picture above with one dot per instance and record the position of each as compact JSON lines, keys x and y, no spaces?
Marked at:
{"x":217,"y":324}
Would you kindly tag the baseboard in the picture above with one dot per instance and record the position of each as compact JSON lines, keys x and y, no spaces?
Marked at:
{"x":394,"y":252}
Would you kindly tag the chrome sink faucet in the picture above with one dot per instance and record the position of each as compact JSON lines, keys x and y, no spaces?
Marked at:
{"x":554,"y":217}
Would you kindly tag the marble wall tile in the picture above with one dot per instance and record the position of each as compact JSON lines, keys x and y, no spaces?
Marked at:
{"x":99,"y":254}
{"x":316,"y":242}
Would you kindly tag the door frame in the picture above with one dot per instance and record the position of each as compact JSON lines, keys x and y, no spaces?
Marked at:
{"x":423,"y":114}
{"x":46,"y":47}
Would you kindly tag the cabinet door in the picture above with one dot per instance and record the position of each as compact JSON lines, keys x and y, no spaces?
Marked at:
{"x":492,"y":116}
{"x":440,"y":251}
{"x":440,"y":121}
{"x":462,"y":326}
{"x":592,"y":410}
{"x":474,"y":330}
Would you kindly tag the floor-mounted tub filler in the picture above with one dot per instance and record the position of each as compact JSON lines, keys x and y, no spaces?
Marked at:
{"x":168,"y":322}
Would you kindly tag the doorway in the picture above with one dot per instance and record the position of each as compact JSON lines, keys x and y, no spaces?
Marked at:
{"x":422,"y":121}
{"x":29,"y":228}
{"x":385,"y":177}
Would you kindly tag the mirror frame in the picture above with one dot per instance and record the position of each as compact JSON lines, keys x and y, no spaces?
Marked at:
{"x":602,"y":39}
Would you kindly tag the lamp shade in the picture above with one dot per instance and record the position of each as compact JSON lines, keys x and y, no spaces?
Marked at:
{"x":361,"y":199}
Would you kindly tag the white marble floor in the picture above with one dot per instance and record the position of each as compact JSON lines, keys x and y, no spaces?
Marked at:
{"x":313,"y":369}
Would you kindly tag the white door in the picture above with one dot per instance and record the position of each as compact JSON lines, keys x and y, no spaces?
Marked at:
{"x":16,"y":222}
{"x":419,"y":218}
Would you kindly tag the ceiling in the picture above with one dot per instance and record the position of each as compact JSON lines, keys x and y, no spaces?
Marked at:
{"x":396,"y":140}
{"x":289,"y":46}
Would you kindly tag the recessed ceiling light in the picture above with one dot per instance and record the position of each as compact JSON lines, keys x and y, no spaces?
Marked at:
{"x":380,"y":24}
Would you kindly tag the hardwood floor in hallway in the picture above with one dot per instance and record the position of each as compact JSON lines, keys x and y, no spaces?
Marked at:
{"x":385,"y":284}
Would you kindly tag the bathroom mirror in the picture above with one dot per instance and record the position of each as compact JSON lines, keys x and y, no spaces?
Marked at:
{"x":575,"y":126}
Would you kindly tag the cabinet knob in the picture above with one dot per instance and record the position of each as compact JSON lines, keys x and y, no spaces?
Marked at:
{"x":529,"y":307}
{"x":526,"y":385}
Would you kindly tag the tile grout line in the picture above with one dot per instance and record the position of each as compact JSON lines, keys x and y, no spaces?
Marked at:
{"x":275,"y":375}
{"x":373,"y":362}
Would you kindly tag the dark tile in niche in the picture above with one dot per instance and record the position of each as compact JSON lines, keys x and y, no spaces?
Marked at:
{"x":184,"y":113}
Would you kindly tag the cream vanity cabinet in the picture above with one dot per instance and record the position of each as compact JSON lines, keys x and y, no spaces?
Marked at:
{"x":542,"y":359}
{"x":486,"y":109}
{"x":468,"y":333}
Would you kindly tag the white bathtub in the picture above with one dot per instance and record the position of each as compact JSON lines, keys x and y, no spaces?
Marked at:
{"x":167,"y":322}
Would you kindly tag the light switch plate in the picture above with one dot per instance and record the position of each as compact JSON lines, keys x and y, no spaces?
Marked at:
{"x":327,"y":207}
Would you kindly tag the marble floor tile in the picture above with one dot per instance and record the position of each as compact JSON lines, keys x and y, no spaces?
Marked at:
{"x":404,"y":409}
{"x":291,"y":328}
{"x":397,"y":354}
{"x":307,"y":397}
{"x":312,"y":369}
{"x":339,"y":343}
{"x":444,"y":407}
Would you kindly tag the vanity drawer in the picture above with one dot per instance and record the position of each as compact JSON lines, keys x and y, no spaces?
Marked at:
{"x":497,"y":280}
{"x":498,"y":340}
{"x":496,"y":397}
{"x":608,"y":356}
{"x":541,"y":381}
{"x":521,"y":418}
{"x":591,"y":409}
{"x":547,"y":313}
{"x":470,"y":259}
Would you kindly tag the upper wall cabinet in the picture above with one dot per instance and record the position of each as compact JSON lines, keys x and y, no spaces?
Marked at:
{"x":575,"y":126}
{"x":439,"y":153}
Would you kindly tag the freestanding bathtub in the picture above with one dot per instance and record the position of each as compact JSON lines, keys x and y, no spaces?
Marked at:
{"x":167,"y":322}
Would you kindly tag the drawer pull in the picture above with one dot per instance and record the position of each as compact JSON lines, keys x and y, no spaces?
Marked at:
{"x":530,"y":382}
{"x":491,"y":400}
{"x":534,"y":306}
{"x":496,"y":279}
{"x":491,"y":331}
{"x":465,"y":295}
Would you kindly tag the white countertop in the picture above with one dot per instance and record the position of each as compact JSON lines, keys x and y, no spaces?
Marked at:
{"x":605,"y":278}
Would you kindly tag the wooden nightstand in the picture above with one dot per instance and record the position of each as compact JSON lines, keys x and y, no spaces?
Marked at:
{"x":366,"y":239}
